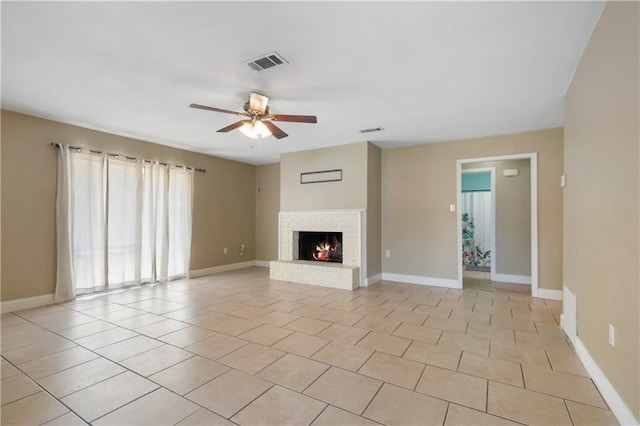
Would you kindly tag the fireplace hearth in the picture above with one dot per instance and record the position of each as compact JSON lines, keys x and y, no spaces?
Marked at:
{"x":320,"y":246}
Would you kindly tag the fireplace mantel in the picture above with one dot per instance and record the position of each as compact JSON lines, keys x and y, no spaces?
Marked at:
{"x":348,"y":275}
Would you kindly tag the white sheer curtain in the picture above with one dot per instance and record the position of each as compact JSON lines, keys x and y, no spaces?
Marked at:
{"x":120,"y":222}
{"x":81,"y":223}
{"x":155,"y":238}
{"x":180,"y":213}
{"x":124,"y":230}
{"x":478,"y":206}
{"x":64,"y":228}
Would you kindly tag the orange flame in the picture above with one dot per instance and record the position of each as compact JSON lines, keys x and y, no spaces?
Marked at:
{"x":325,"y":251}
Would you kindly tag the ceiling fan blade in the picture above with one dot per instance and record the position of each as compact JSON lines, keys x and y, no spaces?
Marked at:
{"x":233,"y":126}
{"x":208,"y":108}
{"x":275,"y":130}
{"x":258,"y":103}
{"x":294,"y":118}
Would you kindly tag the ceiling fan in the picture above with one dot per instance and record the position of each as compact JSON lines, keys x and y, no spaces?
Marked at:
{"x":258,"y":122}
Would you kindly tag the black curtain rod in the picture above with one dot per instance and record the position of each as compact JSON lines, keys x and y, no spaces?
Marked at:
{"x":79,"y":148}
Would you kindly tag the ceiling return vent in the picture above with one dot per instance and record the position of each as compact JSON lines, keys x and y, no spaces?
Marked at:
{"x":268,"y":61}
{"x":372,"y":130}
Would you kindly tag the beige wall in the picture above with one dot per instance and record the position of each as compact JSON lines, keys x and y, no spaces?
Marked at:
{"x":267,"y":208}
{"x":350,"y":193}
{"x":513,"y":216}
{"x":374,"y":210}
{"x":419,"y":184}
{"x":360,"y":187}
{"x":601,"y":199}
{"x":223,"y":210}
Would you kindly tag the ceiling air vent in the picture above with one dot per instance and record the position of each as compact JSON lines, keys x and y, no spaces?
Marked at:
{"x":373,"y":129}
{"x":268,"y":61}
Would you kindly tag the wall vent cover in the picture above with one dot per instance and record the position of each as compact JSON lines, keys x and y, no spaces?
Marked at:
{"x":265,"y":62}
{"x":373,"y":129}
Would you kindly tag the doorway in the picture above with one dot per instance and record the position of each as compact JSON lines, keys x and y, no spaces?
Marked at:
{"x":477,"y":210}
{"x":508,"y":254}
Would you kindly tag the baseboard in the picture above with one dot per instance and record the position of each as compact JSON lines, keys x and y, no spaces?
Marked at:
{"x":373,"y":279}
{"x":261,"y":263}
{"x":421,"y":280}
{"x":545,"y":293}
{"x":513,"y":279}
{"x":27,"y":303}
{"x":222,"y":268}
{"x":616,"y":404}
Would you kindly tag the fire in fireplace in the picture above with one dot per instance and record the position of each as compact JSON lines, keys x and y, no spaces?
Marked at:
{"x":320,"y":246}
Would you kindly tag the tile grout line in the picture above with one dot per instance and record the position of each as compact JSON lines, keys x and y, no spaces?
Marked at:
{"x":486,"y":402}
{"x":372,"y":398}
{"x":568,"y":412}
{"x":446,"y":414}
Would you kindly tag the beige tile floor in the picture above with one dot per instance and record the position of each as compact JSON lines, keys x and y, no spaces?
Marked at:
{"x":238,"y":348}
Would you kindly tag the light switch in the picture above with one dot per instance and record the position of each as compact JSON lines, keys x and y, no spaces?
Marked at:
{"x":563,"y":181}
{"x":612,"y":335}
{"x":452,"y":207}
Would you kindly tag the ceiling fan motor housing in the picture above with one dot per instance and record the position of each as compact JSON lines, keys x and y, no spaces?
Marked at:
{"x":248,"y":110}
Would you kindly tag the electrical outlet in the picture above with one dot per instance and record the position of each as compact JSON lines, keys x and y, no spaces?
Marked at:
{"x":387,"y":253}
{"x":452,"y":207}
{"x":225,"y":250}
{"x":612,"y":335}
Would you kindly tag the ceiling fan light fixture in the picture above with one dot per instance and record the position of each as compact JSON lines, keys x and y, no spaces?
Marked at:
{"x":255,"y":130}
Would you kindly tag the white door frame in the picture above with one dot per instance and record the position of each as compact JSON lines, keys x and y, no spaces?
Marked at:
{"x":491,"y":170}
{"x":533,"y":158}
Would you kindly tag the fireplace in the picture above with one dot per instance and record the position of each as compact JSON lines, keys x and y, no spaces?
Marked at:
{"x":320,"y":246}
{"x":342,"y":266}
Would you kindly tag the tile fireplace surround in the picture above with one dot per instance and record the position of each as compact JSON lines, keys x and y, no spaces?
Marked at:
{"x":348,"y":275}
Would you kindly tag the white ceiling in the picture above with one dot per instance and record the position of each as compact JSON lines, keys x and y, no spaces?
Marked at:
{"x":425,"y":71}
